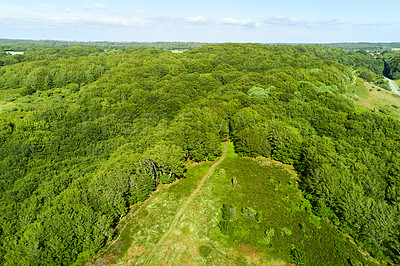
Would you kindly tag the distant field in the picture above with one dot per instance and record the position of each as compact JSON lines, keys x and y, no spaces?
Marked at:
{"x":14,"y":53}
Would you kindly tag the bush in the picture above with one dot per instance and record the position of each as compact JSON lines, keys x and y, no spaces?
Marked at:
{"x":27,"y":91}
{"x":228,"y":212}
{"x":367,"y":75}
{"x":297,"y":257}
{"x":269,"y":233}
{"x":226,"y":227}
{"x":287,"y":231}
{"x":205,"y":251}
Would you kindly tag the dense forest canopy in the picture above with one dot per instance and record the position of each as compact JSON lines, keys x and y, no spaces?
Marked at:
{"x":30,"y":50}
{"x":86,"y":133}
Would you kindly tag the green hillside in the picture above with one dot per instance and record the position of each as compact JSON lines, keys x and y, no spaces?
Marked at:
{"x":248,"y":211}
{"x":87,"y":136}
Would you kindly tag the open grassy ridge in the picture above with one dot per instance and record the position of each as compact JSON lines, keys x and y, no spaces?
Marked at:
{"x":374,"y":98}
{"x":248,"y":211}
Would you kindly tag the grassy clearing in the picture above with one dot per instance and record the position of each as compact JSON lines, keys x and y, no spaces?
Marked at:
{"x":231,"y":151}
{"x":264,"y":218}
{"x":375,"y":99}
{"x":184,"y":206}
{"x":11,"y":100}
{"x":155,"y":220}
{"x":272,"y":217}
{"x":7,"y":98}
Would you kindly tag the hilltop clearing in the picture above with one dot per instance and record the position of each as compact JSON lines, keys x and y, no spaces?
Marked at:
{"x":245,"y":211}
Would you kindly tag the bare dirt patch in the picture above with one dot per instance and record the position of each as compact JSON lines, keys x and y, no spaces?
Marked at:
{"x":191,"y":164}
{"x":269,"y":162}
{"x":133,"y":253}
{"x":248,"y":250}
{"x":251,"y":254}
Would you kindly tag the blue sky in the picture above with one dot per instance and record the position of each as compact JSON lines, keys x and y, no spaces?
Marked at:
{"x":204,"y":21}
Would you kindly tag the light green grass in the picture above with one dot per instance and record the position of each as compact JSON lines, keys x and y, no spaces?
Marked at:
{"x":397,"y":83}
{"x":231,"y":151}
{"x":374,"y":98}
{"x":152,"y":222}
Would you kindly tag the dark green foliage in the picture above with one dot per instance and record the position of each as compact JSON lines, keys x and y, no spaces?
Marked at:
{"x":234,"y":182}
{"x":297,"y":257}
{"x":226,"y":227}
{"x":393,"y":65}
{"x":272,"y":138}
{"x":367,"y":76}
{"x":228,"y":212}
{"x":377,"y":79}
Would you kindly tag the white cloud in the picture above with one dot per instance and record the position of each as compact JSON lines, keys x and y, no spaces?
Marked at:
{"x":196,"y":19}
{"x":281,"y":20}
{"x":141,"y":12}
{"x":95,"y":6}
{"x":89,"y":20}
{"x":66,"y":9}
{"x":68,"y":20}
{"x":245,"y":23}
{"x":106,"y":21}
{"x":234,"y":21}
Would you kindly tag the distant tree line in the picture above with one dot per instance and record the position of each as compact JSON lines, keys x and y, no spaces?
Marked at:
{"x":366,"y":46}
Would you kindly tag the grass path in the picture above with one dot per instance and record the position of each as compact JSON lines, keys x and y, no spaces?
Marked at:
{"x":184,"y":207}
{"x":4,"y":106}
{"x":354,"y":80}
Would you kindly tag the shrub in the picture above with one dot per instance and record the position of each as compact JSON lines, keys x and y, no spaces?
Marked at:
{"x":228,"y":212}
{"x":226,"y":227}
{"x":268,"y":234}
{"x":221,"y":174}
{"x":297,"y":256}
{"x":367,"y":75}
{"x":205,"y":251}
{"x":287,"y":231}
